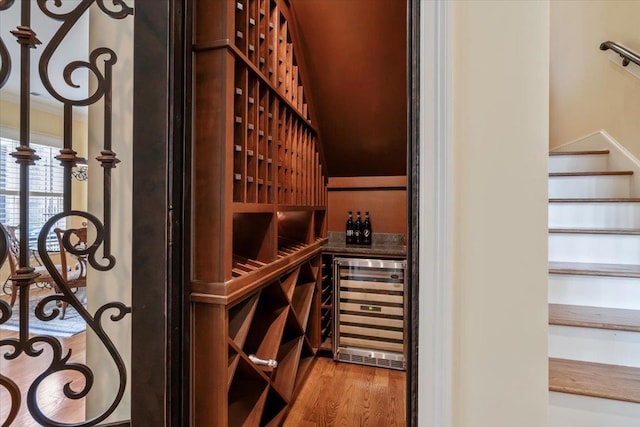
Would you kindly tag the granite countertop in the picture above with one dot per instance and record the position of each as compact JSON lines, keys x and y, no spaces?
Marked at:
{"x":383,"y":244}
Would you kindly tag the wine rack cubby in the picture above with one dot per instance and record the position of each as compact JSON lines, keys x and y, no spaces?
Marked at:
{"x":273,"y":322}
{"x":259,"y":214}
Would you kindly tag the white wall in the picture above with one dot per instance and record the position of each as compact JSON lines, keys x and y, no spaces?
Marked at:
{"x":498,"y":191}
{"x":588,"y":91}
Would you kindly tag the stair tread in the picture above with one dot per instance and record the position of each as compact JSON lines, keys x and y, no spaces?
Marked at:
{"x":594,"y":317}
{"x":584,"y":230}
{"x":578,"y":153}
{"x":594,"y":379}
{"x":594,"y":269}
{"x":599,"y":173}
{"x":597,"y":200}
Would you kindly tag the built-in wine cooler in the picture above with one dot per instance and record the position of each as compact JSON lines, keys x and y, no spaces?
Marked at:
{"x":369,"y":310}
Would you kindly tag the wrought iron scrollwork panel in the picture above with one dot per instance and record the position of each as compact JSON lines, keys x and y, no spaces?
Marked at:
{"x":100,"y":65}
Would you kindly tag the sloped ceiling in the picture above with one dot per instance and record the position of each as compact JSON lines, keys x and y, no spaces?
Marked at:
{"x":355,"y":71}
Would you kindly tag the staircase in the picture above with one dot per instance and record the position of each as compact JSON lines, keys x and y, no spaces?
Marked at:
{"x":594,"y":293}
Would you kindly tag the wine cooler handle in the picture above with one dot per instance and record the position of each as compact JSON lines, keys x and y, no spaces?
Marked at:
{"x":266,"y":362}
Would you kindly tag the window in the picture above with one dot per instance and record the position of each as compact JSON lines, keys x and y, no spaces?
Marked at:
{"x":45,"y":183}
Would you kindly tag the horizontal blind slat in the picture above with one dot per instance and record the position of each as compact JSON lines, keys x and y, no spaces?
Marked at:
{"x":45,"y":178}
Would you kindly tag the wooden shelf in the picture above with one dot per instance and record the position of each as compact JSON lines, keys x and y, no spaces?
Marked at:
{"x":326,"y":298}
{"x":247,"y":396}
{"x":274,"y":411}
{"x":301,"y":302}
{"x":304,"y":366}
{"x":234,"y":359}
{"x":259,"y":201}
{"x":289,"y":283}
{"x":268,"y":324}
{"x":288,"y":359}
{"x":240,"y":318}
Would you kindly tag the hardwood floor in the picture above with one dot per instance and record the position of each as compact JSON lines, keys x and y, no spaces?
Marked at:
{"x":344,"y":394}
{"x":334,"y":394}
{"x":52,"y":402}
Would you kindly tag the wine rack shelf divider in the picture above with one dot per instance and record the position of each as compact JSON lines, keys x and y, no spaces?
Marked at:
{"x":259,"y":216}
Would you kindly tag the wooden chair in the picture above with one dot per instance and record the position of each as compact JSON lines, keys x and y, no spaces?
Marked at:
{"x":14,"y":257}
{"x":74,"y":276}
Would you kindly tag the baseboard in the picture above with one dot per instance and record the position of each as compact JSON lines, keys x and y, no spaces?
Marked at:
{"x":619,"y":157}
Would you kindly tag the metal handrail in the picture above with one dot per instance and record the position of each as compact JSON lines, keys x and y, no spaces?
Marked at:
{"x":627,"y":55}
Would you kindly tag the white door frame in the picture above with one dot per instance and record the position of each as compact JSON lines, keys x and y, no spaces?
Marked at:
{"x":435,"y":217}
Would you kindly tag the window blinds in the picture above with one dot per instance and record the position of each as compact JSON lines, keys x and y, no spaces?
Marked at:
{"x":46,"y":190}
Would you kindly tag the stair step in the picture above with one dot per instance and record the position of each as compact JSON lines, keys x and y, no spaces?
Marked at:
{"x":578,"y":153}
{"x":579,"y":161}
{"x":597,"y":200}
{"x":581,"y":185}
{"x":572,"y":410}
{"x":595,"y":173}
{"x":585,"y":230}
{"x":595,"y":269}
{"x":594,"y":379}
{"x":594,"y":213}
{"x":608,"y":346}
{"x":594,"y":317}
{"x":594,"y":246}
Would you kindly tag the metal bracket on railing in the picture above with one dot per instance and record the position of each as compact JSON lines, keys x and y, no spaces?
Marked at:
{"x":627,"y":55}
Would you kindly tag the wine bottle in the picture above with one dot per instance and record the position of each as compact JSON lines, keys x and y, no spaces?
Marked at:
{"x":349,"y":230}
{"x":366,"y":230}
{"x":357,"y":228}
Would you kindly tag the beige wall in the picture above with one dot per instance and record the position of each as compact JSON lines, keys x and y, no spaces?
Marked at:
{"x":500,"y":128}
{"x":588,"y":91}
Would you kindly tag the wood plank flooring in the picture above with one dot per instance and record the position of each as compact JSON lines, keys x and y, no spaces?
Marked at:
{"x":340,"y":394}
{"x":344,"y":394}
{"x":52,"y":402}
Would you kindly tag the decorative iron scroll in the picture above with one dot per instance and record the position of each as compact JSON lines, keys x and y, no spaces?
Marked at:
{"x":100,"y":64}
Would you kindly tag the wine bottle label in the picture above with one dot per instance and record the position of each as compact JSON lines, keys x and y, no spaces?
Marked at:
{"x":367,"y":233}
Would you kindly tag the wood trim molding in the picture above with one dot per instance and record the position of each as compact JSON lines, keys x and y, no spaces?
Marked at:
{"x":157,"y":362}
{"x":436,"y":213}
{"x":366,"y":182}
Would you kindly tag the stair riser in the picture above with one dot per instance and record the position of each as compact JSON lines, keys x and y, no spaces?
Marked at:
{"x":594,"y":215}
{"x":595,"y":345}
{"x":569,"y":410}
{"x":594,"y":248}
{"x":603,"y":186}
{"x":595,"y":291}
{"x":581,"y":163}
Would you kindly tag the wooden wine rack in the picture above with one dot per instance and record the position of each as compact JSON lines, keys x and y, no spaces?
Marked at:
{"x":276,"y":321}
{"x":258,"y":215}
